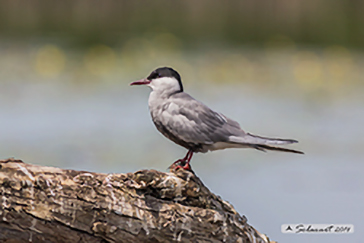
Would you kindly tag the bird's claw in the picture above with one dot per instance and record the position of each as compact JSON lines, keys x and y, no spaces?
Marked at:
{"x":183,"y":163}
{"x":180,"y":164}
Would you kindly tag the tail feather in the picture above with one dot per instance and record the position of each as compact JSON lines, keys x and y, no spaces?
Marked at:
{"x":263,"y":147}
{"x":264,"y":143}
{"x":273,"y":141}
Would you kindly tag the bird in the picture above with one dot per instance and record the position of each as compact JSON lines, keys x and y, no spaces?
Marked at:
{"x":193,"y":125}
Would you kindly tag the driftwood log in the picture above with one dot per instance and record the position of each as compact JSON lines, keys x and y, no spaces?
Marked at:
{"x":45,"y":204}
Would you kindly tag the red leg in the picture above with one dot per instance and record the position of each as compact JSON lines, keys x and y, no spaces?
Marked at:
{"x":187,"y":157}
{"x":183,"y":163}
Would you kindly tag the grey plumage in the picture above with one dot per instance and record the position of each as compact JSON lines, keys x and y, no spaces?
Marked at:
{"x":192,"y":124}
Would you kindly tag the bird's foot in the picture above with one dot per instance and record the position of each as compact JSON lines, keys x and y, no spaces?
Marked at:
{"x":183,"y":163}
{"x":180,"y":164}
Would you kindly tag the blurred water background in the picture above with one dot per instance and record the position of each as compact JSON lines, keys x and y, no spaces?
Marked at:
{"x":289,"y":69}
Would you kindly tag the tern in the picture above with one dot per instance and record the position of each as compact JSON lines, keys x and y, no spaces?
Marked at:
{"x":194,"y":126}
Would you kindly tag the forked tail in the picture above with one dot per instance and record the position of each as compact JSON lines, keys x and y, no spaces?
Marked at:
{"x":264,"y":143}
{"x":270,"y":141}
{"x":263,"y":147}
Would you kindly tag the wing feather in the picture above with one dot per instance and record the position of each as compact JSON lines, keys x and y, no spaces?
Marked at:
{"x":195,"y":123}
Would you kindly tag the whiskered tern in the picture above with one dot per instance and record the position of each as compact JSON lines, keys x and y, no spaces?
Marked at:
{"x":193,"y":125}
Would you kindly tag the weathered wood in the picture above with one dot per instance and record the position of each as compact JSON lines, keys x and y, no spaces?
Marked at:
{"x":45,"y":204}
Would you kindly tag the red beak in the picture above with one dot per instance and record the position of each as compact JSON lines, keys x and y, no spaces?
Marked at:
{"x":141,"y":82}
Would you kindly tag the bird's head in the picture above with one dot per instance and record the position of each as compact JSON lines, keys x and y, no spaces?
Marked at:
{"x":165,"y":80}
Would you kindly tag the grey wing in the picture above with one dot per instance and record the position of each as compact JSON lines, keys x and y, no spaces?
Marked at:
{"x":195,"y":123}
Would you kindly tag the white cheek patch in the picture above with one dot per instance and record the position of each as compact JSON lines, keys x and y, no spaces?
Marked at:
{"x":165,"y":84}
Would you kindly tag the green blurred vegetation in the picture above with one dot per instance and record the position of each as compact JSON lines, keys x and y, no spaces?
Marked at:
{"x":233,"y":22}
{"x":312,"y":46}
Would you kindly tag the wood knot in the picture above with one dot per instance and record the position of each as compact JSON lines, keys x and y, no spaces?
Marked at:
{"x":103,"y":228}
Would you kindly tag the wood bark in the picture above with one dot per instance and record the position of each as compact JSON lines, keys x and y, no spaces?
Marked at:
{"x":46,"y":204}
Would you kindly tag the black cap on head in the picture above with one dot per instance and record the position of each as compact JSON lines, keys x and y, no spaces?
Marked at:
{"x":165,"y":72}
